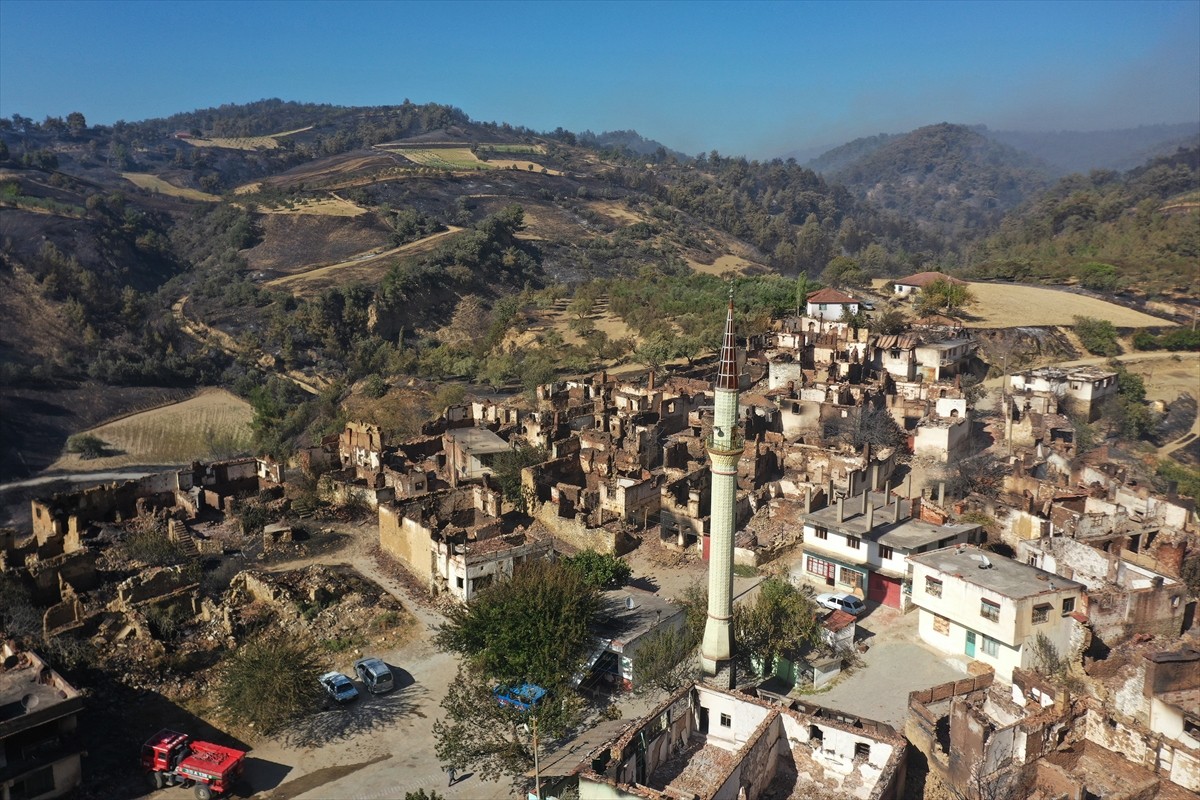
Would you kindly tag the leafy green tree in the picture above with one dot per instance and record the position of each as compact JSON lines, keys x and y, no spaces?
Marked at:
{"x":654,"y":352}
{"x":480,"y":734}
{"x":781,"y":621}
{"x":889,"y":322}
{"x":87,"y":445}
{"x":535,"y":627}
{"x":843,"y":271}
{"x":600,"y":570}
{"x":944,"y":297}
{"x":76,"y":123}
{"x":665,"y":661}
{"x":804,"y":287}
{"x":506,"y":469}
{"x":269,"y":682}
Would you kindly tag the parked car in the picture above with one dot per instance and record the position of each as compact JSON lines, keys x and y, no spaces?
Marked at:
{"x":340,"y":687}
{"x":523,"y":697}
{"x":842,"y":602}
{"x":375,"y":675}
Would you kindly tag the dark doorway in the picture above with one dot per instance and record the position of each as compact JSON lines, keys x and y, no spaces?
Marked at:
{"x":703,"y":719}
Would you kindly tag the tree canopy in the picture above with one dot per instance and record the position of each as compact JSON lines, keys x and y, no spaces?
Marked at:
{"x":534,"y":627}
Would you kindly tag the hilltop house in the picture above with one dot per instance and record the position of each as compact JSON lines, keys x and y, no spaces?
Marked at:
{"x":911,"y":284}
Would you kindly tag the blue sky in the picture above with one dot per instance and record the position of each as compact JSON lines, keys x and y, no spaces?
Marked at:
{"x":749,"y":78}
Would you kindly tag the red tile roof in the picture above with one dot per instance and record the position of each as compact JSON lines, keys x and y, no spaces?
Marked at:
{"x":923,"y":279}
{"x":830,"y":296}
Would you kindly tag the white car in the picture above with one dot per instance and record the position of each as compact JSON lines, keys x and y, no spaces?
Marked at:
{"x":340,"y":687}
{"x":842,"y":602}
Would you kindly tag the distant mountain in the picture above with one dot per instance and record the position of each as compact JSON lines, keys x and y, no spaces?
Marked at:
{"x":1083,"y":151}
{"x":627,"y":140}
{"x":845,"y":155}
{"x":949,"y":179}
{"x":1135,"y":231}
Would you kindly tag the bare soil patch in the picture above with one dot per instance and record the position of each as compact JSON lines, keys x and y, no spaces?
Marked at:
{"x":214,"y":423}
{"x":723,"y":264}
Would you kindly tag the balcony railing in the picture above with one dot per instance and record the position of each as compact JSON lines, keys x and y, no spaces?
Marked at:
{"x":736,"y":443}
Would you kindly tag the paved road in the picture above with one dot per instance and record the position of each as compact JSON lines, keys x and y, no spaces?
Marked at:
{"x":896,"y":663}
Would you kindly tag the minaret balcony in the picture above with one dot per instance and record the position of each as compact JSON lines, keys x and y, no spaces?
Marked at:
{"x":729,"y":444}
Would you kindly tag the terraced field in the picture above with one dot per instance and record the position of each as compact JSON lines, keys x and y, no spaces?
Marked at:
{"x":213,"y":424}
{"x":441,"y":157}
{"x":325,"y":206}
{"x":245,"y":142}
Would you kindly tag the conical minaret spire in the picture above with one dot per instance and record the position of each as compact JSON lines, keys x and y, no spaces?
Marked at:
{"x":725,"y":450}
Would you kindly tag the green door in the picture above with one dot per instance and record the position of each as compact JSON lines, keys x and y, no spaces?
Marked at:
{"x":971,"y":643}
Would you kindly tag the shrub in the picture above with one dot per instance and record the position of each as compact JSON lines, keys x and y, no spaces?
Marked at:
{"x":269,"y":682}
{"x":86,"y":445}
{"x":1099,"y":336}
{"x":601,"y":570}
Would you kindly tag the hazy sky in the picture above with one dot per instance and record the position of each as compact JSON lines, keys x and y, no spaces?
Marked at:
{"x":744,"y":78}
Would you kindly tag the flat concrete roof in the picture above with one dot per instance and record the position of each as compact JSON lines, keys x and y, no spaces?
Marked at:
{"x":1005,"y":577}
{"x":478,"y":441}
{"x":30,"y":687}
{"x":627,"y":624}
{"x":906,"y":534}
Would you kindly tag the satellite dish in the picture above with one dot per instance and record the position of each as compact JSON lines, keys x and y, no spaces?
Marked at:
{"x":30,"y":701}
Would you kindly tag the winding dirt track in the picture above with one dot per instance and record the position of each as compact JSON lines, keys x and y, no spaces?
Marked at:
{"x":227,"y":344}
{"x":318,"y":271}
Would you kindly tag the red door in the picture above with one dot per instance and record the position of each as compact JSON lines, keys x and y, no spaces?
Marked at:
{"x":883,"y":590}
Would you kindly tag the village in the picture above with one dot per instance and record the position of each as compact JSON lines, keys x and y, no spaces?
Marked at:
{"x":1007,"y":611}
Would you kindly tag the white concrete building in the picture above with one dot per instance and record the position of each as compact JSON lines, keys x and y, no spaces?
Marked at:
{"x":991,"y":608}
{"x":830,"y":304}
{"x":859,"y":545}
{"x":911,"y":284}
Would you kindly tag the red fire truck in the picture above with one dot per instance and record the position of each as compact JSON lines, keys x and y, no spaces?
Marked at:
{"x":176,"y":759}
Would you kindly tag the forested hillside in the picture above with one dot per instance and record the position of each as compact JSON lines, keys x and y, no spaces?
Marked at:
{"x":1110,"y":231}
{"x":285,"y":249}
{"x":948,"y":179}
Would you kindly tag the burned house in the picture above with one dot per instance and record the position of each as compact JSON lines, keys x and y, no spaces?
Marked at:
{"x":708,"y":742}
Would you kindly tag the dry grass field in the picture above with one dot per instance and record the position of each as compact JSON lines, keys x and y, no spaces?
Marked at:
{"x":528,"y":166}
{"x":723,"y":264}
{"x":1009,"y":305}
{"x":245,"y":142}
{"x":1167,"y":376}
{"x":213,"y":424}
{"x":333,"y":206}
{"x":153,"y":183}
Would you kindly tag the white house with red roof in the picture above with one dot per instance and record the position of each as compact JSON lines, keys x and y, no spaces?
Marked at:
{"x":915,"y":283}
{"x":830,"y":304}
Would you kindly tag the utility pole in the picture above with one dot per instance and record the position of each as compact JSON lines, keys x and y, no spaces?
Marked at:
{"x":537,"y":770}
